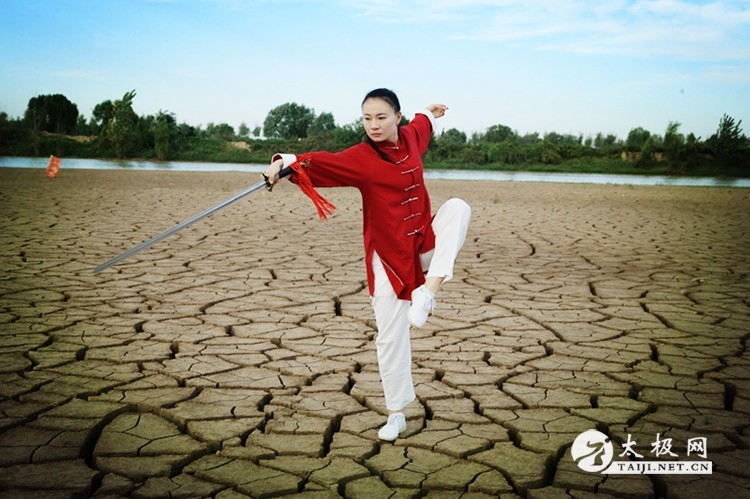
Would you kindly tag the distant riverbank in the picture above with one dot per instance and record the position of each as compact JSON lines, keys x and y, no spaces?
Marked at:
{"x":445,"y":174}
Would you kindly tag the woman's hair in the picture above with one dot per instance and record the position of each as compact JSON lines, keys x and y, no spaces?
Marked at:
{"x":388,"y":96}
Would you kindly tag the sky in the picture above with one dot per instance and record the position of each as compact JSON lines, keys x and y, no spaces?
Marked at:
{"x":571,"y":67}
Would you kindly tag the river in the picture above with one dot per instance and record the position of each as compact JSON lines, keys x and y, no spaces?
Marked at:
{"x":499,"y":176}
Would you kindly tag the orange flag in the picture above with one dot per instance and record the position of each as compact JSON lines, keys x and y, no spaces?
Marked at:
{"x":53,"y":166}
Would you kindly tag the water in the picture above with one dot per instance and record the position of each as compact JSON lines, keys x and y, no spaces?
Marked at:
{"x":115,"y":164}
{"x":577,"y":178}
{"x":588,"y":178}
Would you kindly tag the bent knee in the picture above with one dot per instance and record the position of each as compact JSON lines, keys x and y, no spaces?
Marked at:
{"x":459,"y":206}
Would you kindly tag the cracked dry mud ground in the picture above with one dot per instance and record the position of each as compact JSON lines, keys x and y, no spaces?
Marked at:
{"x":236,"y":358}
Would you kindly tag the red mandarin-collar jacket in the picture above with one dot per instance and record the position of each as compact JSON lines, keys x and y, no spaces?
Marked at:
{"x":395,"y":204}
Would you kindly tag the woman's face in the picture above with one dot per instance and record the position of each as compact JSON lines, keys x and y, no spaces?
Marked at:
{"x":380,"y":120}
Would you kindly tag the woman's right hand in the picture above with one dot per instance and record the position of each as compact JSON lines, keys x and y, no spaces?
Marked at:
{"x":271,"y":175}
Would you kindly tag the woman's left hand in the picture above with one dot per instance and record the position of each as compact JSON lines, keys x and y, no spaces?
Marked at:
{"x":437,"y":110}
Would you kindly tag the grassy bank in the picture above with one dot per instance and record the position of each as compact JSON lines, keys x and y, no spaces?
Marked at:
{"x":595,"y":165}
{"x":215,"y":150}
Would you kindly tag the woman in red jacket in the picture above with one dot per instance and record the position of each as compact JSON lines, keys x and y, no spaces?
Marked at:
{"x":408,"y":252}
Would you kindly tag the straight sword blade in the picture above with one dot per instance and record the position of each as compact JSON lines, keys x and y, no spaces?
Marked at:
{"x":182,"y":225}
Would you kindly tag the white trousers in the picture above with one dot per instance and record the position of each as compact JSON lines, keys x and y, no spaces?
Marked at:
{"x":450,"y":224}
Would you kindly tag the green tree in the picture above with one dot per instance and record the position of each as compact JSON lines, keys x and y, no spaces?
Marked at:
{"x":288,"y":121}
{"x":101,"y":115}
{"x":36,"y":113}
{"x":506,"y":152}
{"x":63,"y":114}
{"x":164,"y":130}
{"x":605,"y":143}
{"x":473,"y":153}
{"x":321,"y":124}
{"x":559,"y":139}
{"x":674,"y":143}
{"x":530,"y":139}
{"x":243,"y":130}
{"x":349,"y":134}
{"x":447,"y":145}
{"x":729,"y":144}
{"x":637,"y":138}
{"x":81,"y":128}
{"x":122,"y":125}
{"x":547,"y":152}
{"x":51,"y":113}
{"x":647,"y":152}
{"x":452,"y":137}
{"x":221,"y":131}
{"x":494,"y":134}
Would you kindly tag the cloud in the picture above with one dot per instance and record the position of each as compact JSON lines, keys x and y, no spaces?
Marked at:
{"x":696,"y":30}
{"x":729,"y":73}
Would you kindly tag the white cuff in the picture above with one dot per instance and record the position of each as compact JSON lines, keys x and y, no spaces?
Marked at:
{"x":287,"y":158}
{"x":431,"y":118}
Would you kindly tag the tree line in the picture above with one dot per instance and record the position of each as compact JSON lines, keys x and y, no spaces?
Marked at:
{"x":52,"y":124}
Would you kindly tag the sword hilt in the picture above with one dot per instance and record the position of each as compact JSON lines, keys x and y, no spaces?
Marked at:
{"x":284,"y":172}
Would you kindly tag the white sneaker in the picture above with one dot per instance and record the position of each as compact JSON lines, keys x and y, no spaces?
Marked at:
{"x":422,"y":304}
{"x":395,"y":425}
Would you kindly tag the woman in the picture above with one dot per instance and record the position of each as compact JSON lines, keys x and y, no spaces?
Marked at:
{"x":401,"y":237}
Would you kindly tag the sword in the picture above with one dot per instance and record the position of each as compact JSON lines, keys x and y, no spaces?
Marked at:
{"x":190,"y":221}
